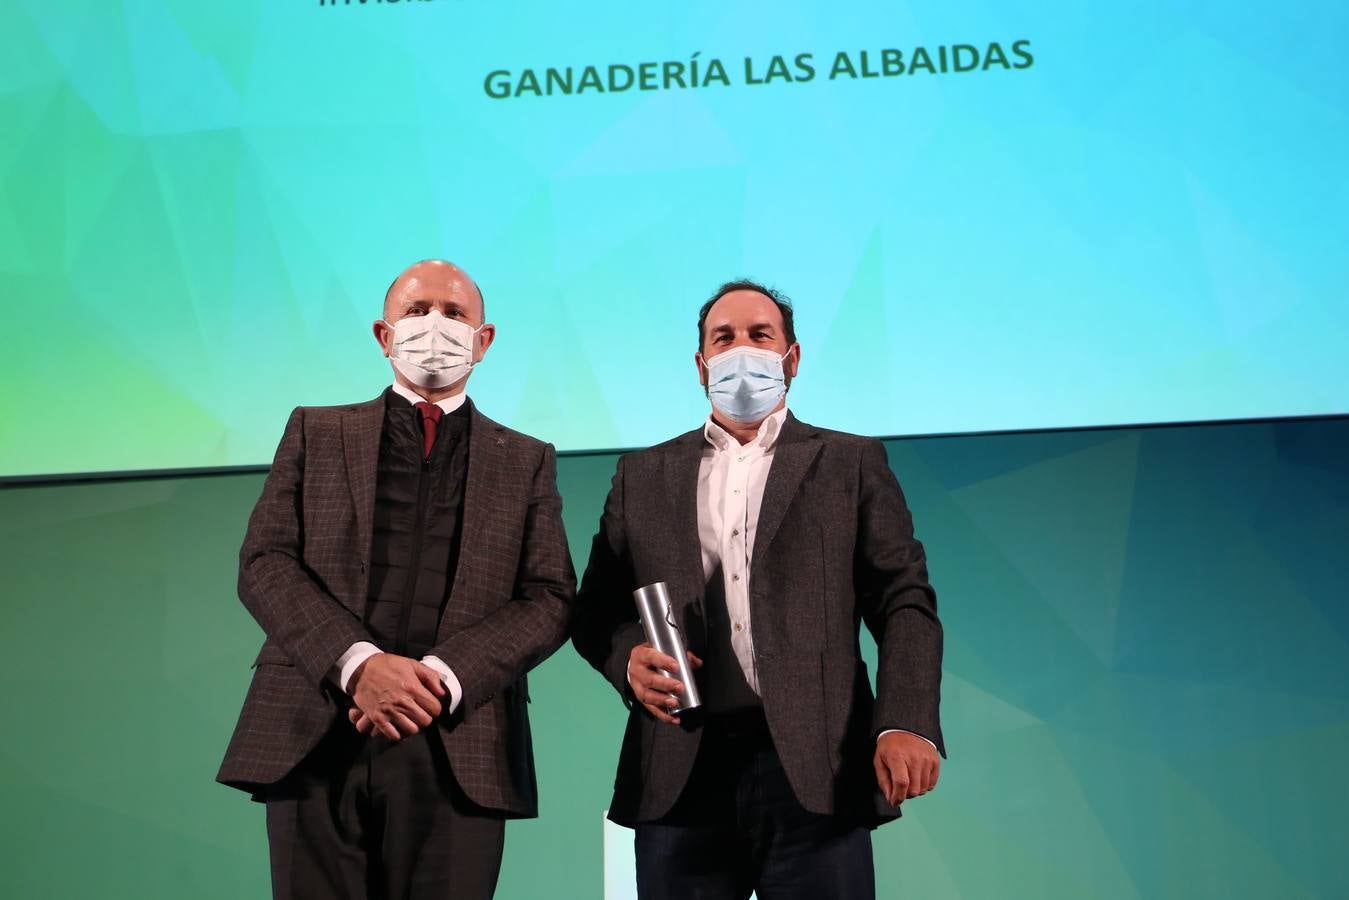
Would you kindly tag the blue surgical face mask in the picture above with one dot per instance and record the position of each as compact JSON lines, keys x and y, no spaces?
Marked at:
{"x":745,"y":383}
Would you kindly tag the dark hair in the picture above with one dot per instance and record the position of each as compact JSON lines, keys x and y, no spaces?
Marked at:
{"x":779,"y":299}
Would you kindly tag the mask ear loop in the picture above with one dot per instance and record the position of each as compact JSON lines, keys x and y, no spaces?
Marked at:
{"x":473,"y":346}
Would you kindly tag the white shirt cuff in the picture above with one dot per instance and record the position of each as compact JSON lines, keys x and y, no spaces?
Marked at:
{"x":902,"y":731}
{"x":349,"y":662}
{"x":448,"y":677}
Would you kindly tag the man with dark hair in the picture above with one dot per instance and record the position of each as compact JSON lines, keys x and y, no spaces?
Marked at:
{"x":774,"y":538}
{"x":743,"y":284}
{"x":407,"y":563}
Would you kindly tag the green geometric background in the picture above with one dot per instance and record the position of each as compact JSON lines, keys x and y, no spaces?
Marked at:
{"x":203,"y":201}
{"x":1146,"y":687}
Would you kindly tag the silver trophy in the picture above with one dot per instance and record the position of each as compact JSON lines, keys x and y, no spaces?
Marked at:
{"x":662,"y":632}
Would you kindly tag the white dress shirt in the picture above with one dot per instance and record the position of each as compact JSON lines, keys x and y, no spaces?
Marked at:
{"x":359,"y":652}
{"x":731,"y":479}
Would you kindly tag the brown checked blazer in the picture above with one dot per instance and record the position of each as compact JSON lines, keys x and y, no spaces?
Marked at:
{"x":303,"y":574}
{"x":834,"y":547}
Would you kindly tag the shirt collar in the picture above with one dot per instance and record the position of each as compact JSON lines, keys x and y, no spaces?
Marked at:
{"x":447,"y":406}
{"x":769,"y":430}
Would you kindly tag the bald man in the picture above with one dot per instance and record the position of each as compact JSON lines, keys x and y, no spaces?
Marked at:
{"x":407,"y":563}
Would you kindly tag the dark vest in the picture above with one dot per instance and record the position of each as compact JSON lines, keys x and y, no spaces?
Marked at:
{"x":419,"y":513}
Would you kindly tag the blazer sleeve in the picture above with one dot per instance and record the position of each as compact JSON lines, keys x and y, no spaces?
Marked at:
{"x":309,"y":624}
{"x":606,"y":627}
{"x":525,"y":631}
{"x":897,"y":603}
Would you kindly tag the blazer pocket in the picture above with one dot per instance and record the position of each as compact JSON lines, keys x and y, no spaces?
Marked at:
{"x":272,"y":655}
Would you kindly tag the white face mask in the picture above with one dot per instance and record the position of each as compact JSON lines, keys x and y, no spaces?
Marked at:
{"x":432,"y":351}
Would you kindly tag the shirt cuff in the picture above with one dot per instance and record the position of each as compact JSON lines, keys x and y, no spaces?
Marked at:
{"x":349,"y":662}
{"x":448,"y":677}
{"x":902,"y":731}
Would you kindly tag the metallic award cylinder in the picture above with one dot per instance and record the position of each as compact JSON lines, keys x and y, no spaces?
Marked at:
{"x":662,"y":632}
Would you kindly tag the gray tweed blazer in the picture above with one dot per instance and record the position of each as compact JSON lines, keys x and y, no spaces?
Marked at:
{"x":835,"y":545}
{"x":304,"y":571}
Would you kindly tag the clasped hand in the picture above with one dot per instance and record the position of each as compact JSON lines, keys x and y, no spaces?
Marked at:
{"x":395,"y":696}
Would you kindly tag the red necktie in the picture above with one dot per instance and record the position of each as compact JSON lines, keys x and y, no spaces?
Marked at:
{"x":430,"y":417}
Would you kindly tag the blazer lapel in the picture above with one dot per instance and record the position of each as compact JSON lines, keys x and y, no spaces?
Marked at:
{"x":796,"y":450}
{"x":361,"y":427}
{"x":486,"y":451}
{"x":681,"y":486}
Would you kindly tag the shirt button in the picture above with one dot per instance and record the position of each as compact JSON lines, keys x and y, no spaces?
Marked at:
{"x":739,"y":627}
{"x":735,"y":577}
{"x":740,"y":459}
{"x":737,"y":492}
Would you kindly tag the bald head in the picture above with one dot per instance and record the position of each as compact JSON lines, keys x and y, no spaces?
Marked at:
{"x":434,"y":284}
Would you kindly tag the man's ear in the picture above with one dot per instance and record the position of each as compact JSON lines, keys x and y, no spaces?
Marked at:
{"x":383,"y":334}
{"x":484,"y":338}
{"x":792,"y":362}
{"x":702,"y":368}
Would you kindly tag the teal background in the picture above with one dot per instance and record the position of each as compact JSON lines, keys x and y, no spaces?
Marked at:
{"x":202,"y":203}
{"x":1146,"y":688}
{"x":1146,"y":691}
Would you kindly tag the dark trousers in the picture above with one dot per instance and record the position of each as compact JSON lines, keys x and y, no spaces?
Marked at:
{"x":364,"y":818}
{"x":738,"y":828}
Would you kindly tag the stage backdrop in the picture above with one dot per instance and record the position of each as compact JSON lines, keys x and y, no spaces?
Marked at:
{"x":1010,"y":215}
{"x":1146,"y":690}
